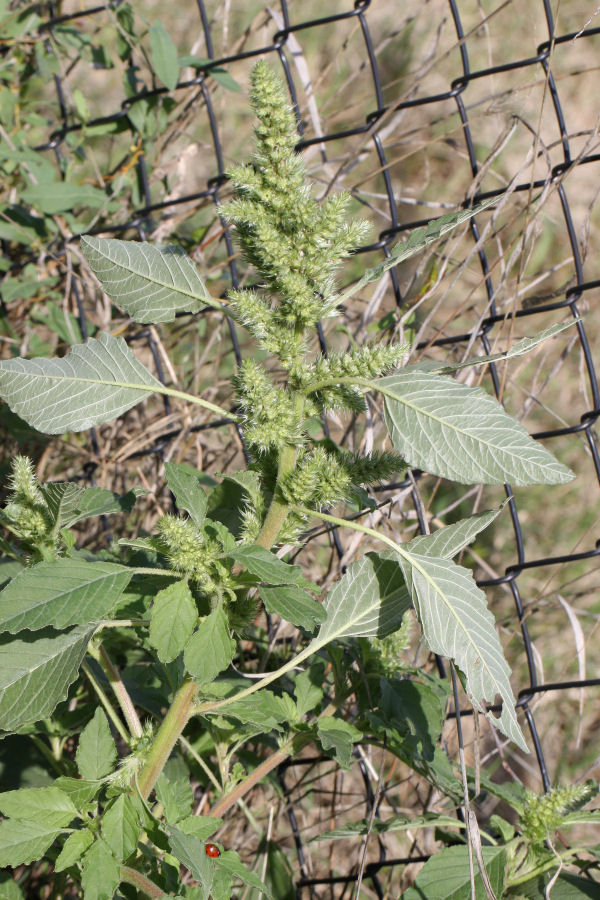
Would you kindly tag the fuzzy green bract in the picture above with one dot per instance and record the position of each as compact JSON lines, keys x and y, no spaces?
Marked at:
{"x":168,"y":626}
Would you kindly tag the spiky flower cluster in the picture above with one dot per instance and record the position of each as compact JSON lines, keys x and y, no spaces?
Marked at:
{"x":26,"y":512}
{"x":294,"y":242}
{"x":192,"y":552}
{"x":271,"y":418}
{"x":544,"y":813}
{"x":391,"y":649}
{"x":359,"y":362}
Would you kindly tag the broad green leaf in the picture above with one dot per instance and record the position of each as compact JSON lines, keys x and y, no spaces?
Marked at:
{"x":369,"y":600}
{"x":294,"y":605}
{"x":264,"y":709}
{"x":519,"y":348}
{"x":78,"y":789}
{"x":36,"y":671}
{"x":97,"y":501}
{"x":73,"y":849}
{"x":9,"y":889}
{"x":446,"y":876}
{"x":120,"y":828}
{"x":152,"y":284}
{"x":566,"y":887}
{"x":248,"y":480}
{"x":394,"y":823}
{"x":189,"y":850}
{"x":462,"y":433}
{"x":175,"y":794}
{"x":94,"y":383}
{"x":96,"y":754}
{"x":164,"y":55}
{"x":447,"y":542}
{"x":200,"y":826}
{"x":268,"y":567}
{"x":101,"y":872}
{"x":337,"y":735}
{"x":63,"y":196}
{"x":184,"y":482}
{"x":62,"y":499}
{"x":581,"y":817}
{"x":457,"y":624}
{"x":418,"y":240}
{"x":69,"y":502}
{"x":210,"y":649}
{"x":23,"y":842}
{"x":231,"y":862}
{"x":9,"y":569}
{"x":61,"y":593}
{"x":45,"y":805}
{"x":308,"y":689}
{"x":172,"y":620}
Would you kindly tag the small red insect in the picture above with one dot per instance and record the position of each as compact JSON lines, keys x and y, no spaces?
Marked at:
{"x":212,"y":850}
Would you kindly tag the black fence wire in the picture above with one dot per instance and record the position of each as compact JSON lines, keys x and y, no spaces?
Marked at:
{"x":395,"y":108}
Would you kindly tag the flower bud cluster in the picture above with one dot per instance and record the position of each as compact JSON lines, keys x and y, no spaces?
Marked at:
{"x":26,"y":512}
{"x":271,"y":419}
{"x":190,"y":551}
{"x":544,"y":813}
{"x":391,"y":649}
{"x":294,"y":242}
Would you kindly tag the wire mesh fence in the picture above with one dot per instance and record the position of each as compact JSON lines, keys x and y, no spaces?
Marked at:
{"x":414,"y":112}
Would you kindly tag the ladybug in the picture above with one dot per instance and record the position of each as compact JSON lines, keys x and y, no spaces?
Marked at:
{"x":212,"y":851}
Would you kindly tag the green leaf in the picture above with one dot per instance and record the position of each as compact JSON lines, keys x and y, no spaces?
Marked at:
{"x":164,"y":55}
{"x":566,"y":887}
{"x":69,"y":502}
{"x":63,"y":196}
{"x":231,"y":862}
{"x":172,"y":620}
{"x":264,"y":710}
{"x":174,"y":792}
{"x":337,"y":735}
{"x":519,"y":348}
{"x":248,"y":480}
{"x":94,"y":383}
{"x":447,"y":542}
{"x":78,"y":789}
{"x":9,"y":889}
{"x":446,"y":875}
{"x":462,"y":433}
{"x":61,"y":593}
{"x":101,"y":872}
{"x":394,"y":823}
{"x":200,"y":826}
{"x":96,"y":754}
{"x":210,"y":649}
{"x":184,"y":482}
{"x":369,"y":600}
{"x":45,"y":805}
{"x":23,"y":842}
{"x":294,"y":605}
{"x":268,"y":567}
{"x":152,"y":284}
{"x":308,"y":689}
{"x":457,"y":624}
{"x":225,"y":79}
{"x":36,"y":671}
{"x":418,"y":240}
{"x":120,"y":828}
{"x":190,"y":851}
{"x":73,"y":849}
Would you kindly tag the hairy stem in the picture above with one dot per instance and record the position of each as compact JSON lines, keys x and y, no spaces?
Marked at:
{"x":167,"y":736}
{"x":141,"y":882}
